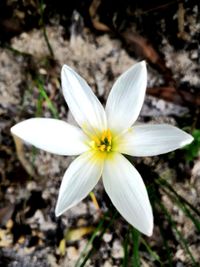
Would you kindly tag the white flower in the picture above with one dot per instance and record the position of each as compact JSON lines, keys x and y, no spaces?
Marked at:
{"x":105,"y":135}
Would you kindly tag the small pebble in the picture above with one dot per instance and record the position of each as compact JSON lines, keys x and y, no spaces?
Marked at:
{"x":117,"y":250}
{"x":107,"y":237}
{"x":72,"y":253}
{"x":107,"y":264}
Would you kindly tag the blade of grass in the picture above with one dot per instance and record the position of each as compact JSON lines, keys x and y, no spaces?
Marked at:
{"x":48,"y":101}
{"x":163,"y":235}
{"x":182,"y":205}
{"x":33,"y":155}
{"x":39,"y":106}
{"x":153,"y":254}
{"x":95,"y":233}
{"x":15,"y":51}
{"x":41,"y":9}
{"x":135,"y":238}
{"x":182,"y":240}
{"x":99,"y":230}
{"x":184,"y":208}
{"x":100,"y":238}
{"x":126,"y":249}
{"x":161,"y":181}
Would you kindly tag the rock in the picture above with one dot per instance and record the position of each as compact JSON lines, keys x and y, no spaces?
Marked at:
{"x":117,"y":250}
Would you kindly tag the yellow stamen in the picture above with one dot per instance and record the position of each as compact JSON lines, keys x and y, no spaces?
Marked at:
{"x":103,"y":136}
{"x":108,"y":148}
{"x":102,"y":148}
{"x":103,"y":143}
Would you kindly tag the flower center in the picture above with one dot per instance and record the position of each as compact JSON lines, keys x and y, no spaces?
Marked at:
{"x":102,"y":143}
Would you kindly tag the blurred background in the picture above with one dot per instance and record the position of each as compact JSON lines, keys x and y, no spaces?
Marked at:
{"x":100,"y":39}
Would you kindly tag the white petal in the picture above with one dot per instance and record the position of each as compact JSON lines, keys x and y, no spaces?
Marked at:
{"x":79,"y":179}
{"x":51,"y":135}
{"x":84,"y":105}
{"x":126,"y":98}
{"x":152,"y":139}
{"x":127,"y":192}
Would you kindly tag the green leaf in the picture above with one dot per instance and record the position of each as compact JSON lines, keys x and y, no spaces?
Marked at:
{"x":193,"y":149}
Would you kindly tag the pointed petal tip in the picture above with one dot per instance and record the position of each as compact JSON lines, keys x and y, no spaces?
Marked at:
{"x":141,"y":66}
{"x":149,"y":234}
{"x":20,"y":127}
{"x":188,"y":140}
{"x":60,"y":209}
{"x":12,"y":129}
{"x":57,"y":211}
{"x":17,"y":129}
{"x":149,"y":231}
{"x":66,"y":67}
{"x":143,"y":63}
{"x":148,"y":228}
{"x":67,"y":72}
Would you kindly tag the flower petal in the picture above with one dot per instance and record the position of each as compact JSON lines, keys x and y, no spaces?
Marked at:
{"x":126,"y":98}
{"x":127,"y":192}
{"x":84,"y":105}
{"x":79,"y":179}
{"x":51,"y":135}
{"x":152,"y":139}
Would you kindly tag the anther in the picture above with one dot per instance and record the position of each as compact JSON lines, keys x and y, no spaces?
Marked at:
{"x":102,"y":148}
